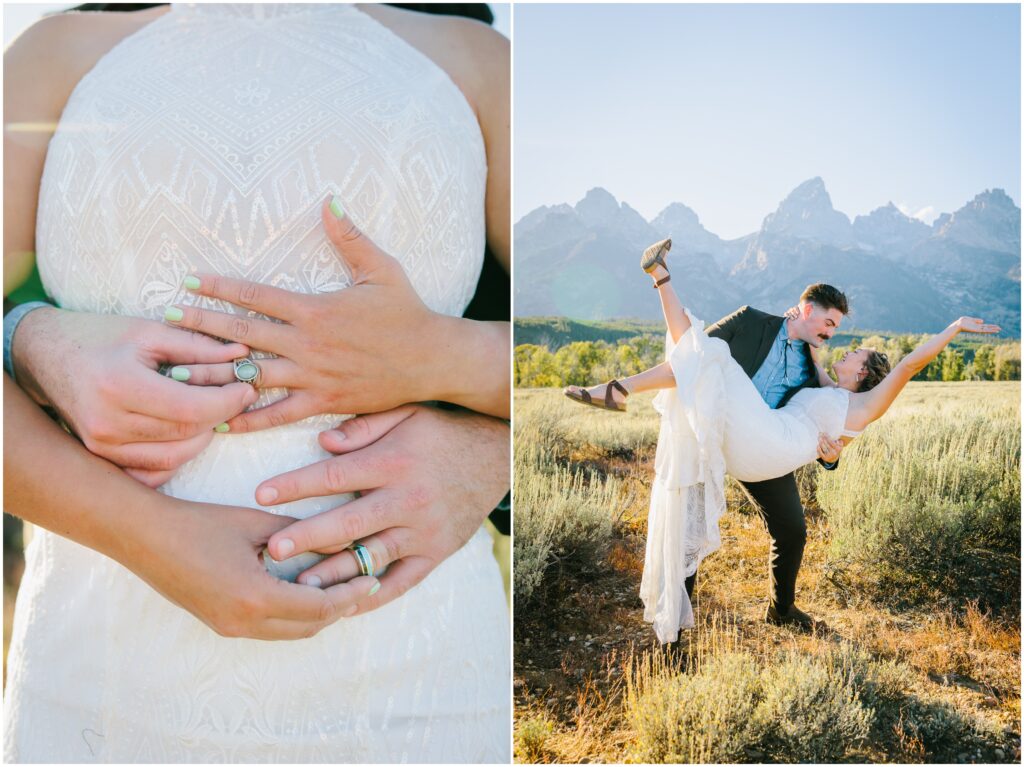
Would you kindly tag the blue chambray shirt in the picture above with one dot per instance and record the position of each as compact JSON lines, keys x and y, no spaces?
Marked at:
{"x":783,"y":368}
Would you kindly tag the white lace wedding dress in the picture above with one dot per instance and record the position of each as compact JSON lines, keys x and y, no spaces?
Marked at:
{"x":715,"y":422}
{"x":207,"y":141}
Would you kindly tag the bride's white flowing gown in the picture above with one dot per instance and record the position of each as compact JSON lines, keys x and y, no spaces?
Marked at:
{"x":714,"y":422}
{"x":207,"y":141}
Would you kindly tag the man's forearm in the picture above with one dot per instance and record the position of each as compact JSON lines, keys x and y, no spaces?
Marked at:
{"x":38,"y":324}
{"x":52,"y":481}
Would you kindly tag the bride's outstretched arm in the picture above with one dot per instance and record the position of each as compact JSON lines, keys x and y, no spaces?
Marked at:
{"x":872,"y":404}
{"x":202,"y":557}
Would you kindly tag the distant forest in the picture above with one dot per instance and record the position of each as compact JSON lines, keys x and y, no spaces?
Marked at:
{"x":556,"y":351}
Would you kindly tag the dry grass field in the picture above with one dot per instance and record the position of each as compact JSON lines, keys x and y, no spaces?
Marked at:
{"x":912,"y":561}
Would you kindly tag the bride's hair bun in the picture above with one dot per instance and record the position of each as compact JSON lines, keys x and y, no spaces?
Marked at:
{"x":878,"y":367}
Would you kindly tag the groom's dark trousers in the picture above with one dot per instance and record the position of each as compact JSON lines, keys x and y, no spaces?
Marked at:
{"x":749,"y":333}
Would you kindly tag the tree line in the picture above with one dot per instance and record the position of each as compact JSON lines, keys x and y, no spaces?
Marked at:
{"x":584,"y":363}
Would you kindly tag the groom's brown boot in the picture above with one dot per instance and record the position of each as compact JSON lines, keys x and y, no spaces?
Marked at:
{"x":794,"y":617}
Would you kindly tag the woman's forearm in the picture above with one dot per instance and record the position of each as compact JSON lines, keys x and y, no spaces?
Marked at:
{"x":80,"y":496}
{"x":472,"y":369}
{"x":918,"y":359}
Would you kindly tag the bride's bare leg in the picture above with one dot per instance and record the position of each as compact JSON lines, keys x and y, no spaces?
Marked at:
{"x":658,"y":377}
{"x":676,"y":319}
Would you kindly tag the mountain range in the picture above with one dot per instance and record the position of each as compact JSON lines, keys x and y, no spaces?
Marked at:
{"x":899,"y":273}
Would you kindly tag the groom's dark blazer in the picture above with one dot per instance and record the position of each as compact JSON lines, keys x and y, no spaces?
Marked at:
{"x":750,"y":334}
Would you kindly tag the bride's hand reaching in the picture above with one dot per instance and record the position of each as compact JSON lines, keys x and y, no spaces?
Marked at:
{"x":368,"y":348}
{"x":429,"y":478}
{"x":975,"y":325}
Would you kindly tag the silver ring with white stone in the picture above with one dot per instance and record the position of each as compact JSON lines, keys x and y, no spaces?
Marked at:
{"x":247,"y":371}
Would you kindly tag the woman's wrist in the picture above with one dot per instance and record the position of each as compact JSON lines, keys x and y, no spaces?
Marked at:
{"x":471,"y":365}
{"x":132,"y":534}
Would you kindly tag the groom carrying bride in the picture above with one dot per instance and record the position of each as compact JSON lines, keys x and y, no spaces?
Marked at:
{"x":747,"y":397}
{"x":775,"y":353}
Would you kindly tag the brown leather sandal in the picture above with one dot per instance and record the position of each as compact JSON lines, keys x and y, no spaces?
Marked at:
{"x":655,"y":255}
{"x":609,"y":403}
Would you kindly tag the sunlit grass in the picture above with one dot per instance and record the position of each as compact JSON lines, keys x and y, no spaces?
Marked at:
{"x":911,"y":670}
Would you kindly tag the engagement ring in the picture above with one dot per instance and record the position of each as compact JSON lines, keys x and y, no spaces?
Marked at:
{"x":247,"y":371}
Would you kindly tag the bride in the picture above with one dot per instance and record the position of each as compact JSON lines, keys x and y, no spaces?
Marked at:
{"x":203,"y":140}
{"x":714,"y":421}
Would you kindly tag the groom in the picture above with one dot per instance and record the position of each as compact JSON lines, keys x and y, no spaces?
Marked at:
{"x":775,"y":353}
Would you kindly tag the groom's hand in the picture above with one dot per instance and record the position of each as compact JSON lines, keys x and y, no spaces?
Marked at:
{"x":99,"y":372}
{"x":828,"y":449}
{"x":428,"y":478}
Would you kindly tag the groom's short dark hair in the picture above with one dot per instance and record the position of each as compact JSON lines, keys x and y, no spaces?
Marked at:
{"x":826,"y":297}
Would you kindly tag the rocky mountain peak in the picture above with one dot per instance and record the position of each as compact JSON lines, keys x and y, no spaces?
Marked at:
{"x":677,"y":216}
{"x":807,"y":213}
{"x":890,"y":231}
{"x":991,"y":220}
{"x":598,"y":206}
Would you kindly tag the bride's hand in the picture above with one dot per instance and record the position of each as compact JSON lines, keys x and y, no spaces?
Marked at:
{"x":368,"y":348}
{"x":792,"y":313}
{"x":205,"y":558}
{"x":975,"y":325}
{"x":100,"y":373}
{"x":429,"y":478}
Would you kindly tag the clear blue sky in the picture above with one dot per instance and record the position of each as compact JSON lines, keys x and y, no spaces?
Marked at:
{"x":728,"y":107}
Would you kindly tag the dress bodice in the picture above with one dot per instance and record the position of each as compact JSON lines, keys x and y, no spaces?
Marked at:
{"x":825,"y":407}
{"x":208,"y":139}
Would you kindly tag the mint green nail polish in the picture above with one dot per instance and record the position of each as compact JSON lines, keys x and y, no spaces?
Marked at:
{"x":192,"y":282}
{"x":180,"y":373}
{"x":336,"y":209}
{"x":173,"y":314}
{"x":222,"y":428}
{"x":375,"y":589}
